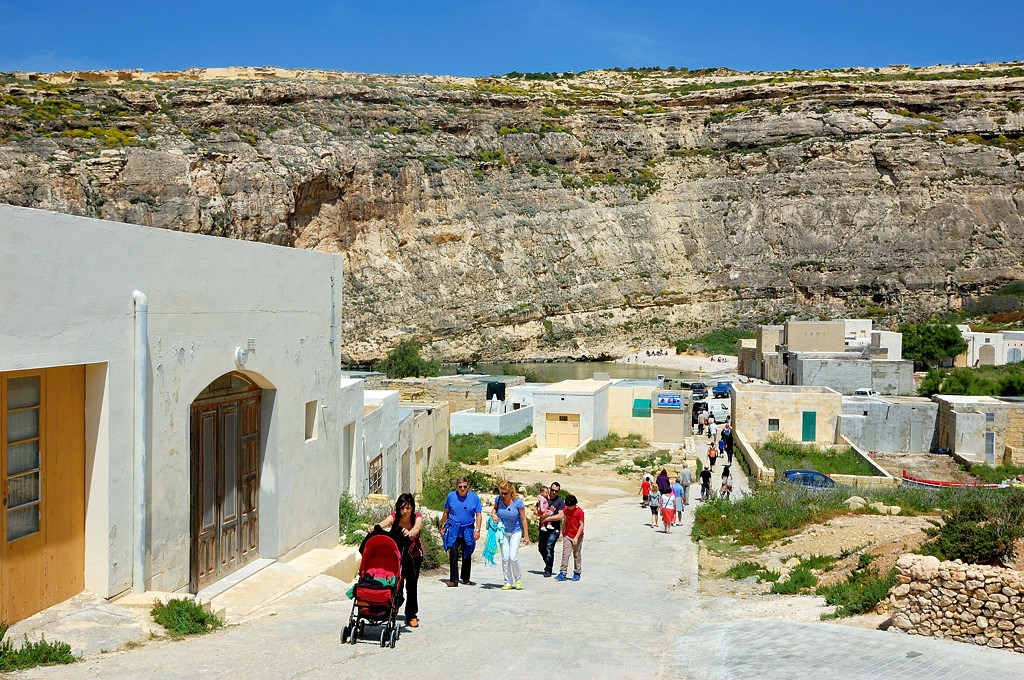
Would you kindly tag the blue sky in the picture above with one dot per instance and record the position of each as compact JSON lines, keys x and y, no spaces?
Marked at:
{"x":483,"y":38}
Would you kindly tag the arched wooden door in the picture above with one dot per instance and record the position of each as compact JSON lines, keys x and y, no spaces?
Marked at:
{"x":225,"y":442}
{"x":987,"y":355}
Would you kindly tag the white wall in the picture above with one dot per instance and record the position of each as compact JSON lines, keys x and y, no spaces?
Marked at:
{"x":66,"y":295}
{"x":380,"y":437}
{"x":510,"y":422}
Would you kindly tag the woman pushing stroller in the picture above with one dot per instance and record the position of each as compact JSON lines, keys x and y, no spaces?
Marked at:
{"x":408,"y":522}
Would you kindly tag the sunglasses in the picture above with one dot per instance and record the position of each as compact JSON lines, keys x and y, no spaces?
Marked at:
{"x":462,"y":486}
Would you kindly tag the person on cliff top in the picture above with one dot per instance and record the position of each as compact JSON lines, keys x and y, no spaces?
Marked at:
{"x":460,"y":529}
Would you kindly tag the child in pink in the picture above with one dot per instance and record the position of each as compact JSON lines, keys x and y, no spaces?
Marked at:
{"x":543,"y":508}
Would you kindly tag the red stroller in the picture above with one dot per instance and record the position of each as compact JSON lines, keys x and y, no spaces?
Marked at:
{"x":377,"y":594}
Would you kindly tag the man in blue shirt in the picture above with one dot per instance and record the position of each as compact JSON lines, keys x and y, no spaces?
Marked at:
{"x":460,"y":529}
{"x":548,"y":539}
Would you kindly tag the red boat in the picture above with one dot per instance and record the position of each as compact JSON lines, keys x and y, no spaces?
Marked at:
{"x":933,"y":484}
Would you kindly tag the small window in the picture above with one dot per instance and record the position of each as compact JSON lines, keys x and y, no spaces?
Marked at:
{"x":377,"y":475}
{"x":865,"y":412}
{"x":990,"y":417}
{"x":563,"y":419}
{"x":311,"y":420}
{"x":773,"y":424}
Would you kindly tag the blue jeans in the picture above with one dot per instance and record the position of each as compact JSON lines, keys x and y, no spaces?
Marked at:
{"x":546,"y":546}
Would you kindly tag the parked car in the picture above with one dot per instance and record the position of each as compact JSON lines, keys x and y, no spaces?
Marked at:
{"x":721,"y":390}
{"x":865,"y":392}
{"x":698,"y":408}
{"x":675,"y":384}
{"x":700,"y":390}
{"x":719,"y":410}
{"x":810,"y":479}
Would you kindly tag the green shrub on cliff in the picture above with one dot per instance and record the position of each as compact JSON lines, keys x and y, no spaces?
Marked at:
{"x":405,"y":361}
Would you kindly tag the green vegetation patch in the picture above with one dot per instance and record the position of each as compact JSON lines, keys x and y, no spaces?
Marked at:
{"x":31,"y":654}
{"x":769,"y":513}
{"x":800,"y":579}
{"x":861,"y":592}
{"x":783,"y":453}
{"x":404,"y":361}
{"x":596,"y":447}
{"x":743,"y":570}
{"x":472,"y":448}
{"x":999,"y":381}
{"x":441,"y":478}
{"x":722,"y":341}
{"x":181,"y":616}
{"x":980,"y":529}
{"x":994,"y":474}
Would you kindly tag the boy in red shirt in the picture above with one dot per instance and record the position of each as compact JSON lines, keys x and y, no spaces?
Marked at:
{"x":572,"y":539}
{"x":645,"y":492}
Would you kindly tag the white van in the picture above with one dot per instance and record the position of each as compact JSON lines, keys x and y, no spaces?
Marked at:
{"x":720,"y":410}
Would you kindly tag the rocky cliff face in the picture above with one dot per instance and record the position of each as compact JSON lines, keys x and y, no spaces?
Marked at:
{"x":513,"y":217}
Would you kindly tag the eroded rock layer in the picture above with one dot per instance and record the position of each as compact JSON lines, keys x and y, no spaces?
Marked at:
{"x":569,"y":216}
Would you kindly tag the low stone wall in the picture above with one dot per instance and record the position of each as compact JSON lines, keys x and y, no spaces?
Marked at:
{"x":563,"y":459}
{"x":964,"y":602}
{"x":758,"y":469}
{"x":497,"y":456}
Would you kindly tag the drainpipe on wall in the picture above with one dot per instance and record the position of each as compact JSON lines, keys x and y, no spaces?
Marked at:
{"x":141,"y":437}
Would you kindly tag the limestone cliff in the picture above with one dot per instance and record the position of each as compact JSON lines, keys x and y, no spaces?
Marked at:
{"x":564,"y":216}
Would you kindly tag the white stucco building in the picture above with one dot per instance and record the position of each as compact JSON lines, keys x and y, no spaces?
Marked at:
{"x":173,"y":407}
{"x":991,"y":349}
{"x":569,"y":412}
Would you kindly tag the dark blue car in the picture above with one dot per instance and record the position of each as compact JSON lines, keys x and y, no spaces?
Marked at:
{"x":810,"y":479}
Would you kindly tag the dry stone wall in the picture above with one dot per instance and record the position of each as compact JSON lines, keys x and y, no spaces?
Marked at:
{"x":964,"y":602}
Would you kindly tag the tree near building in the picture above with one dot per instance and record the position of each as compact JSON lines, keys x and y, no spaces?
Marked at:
{"x":404,"y":361}
{"x":930,"y":343}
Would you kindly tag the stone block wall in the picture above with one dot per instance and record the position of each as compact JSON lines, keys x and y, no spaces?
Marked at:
{"x":964,"y":602}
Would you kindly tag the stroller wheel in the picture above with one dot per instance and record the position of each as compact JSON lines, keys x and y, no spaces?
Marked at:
{"x":394,"y":636}
{"x":384,"y":637}
{"x":344,"y":635}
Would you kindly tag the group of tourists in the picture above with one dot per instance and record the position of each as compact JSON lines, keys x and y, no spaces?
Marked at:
{"x":508,"y":529}
{"x":667,"y":498}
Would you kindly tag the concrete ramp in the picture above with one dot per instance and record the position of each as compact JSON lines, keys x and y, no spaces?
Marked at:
{"x":538,"y":460}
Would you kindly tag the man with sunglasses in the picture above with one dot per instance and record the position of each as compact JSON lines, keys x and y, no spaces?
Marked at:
{"x":547,"y":540}
{"x":460,"y":529}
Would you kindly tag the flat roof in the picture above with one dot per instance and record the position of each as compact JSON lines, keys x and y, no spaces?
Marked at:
{"x":786,"y":389}
{"x":587,"y":386}
{"x":637,"y":382}
{"x":968,"y":399}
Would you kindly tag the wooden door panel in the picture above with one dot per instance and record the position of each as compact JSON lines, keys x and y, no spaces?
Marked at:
{"x":225,"y":466}
{"x":42,"y":472}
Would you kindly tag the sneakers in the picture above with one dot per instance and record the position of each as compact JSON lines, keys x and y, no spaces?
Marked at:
{"x":575,"y":577}
{"x":414,"y":622}
{"x":519,"y":585}
{"x":506,"y":587}
{"x":561,"y":577}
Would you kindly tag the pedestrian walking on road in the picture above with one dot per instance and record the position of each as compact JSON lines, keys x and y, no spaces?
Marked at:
{"x":677,"y":491}
{"x":511,"y":511}
{"x":572,"y":539}
{"x":702,"y":421}
{"x":686,"y":479}
{"x":655,"y":504}
{"x":664,"y":484}
{"x":726,"y":483}
{"x":668,"y":511}
{"x":712,"y":430}
{"x":645,"y":493}
{"x":546,"y":541}
{"x":409,"y":522}
{"x":705,"y":484}
{"x":460,"y":530}
{"x":727,"y":436}
{"x":712,"y":456}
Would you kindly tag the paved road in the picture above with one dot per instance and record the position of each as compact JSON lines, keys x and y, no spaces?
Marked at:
{"x":636,"y":613}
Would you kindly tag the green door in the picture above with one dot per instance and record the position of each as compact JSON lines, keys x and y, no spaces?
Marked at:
{"x":810,"y":426}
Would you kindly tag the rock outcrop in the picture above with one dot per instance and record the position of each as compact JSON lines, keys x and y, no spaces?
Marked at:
{"x":571,"y":216}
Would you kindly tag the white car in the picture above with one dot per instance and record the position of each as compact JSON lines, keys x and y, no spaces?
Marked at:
{"x":865,"y":392}
{"x":719,"y":410}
